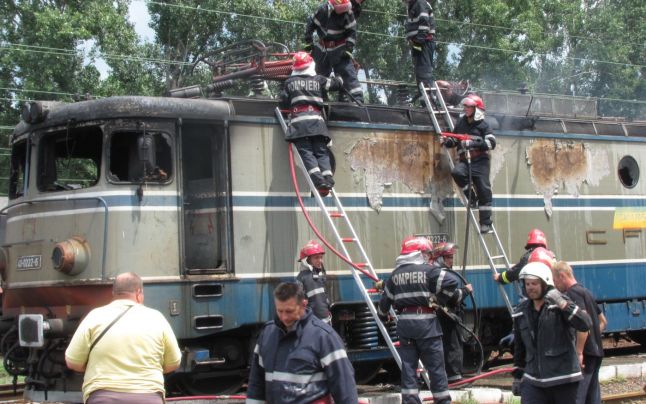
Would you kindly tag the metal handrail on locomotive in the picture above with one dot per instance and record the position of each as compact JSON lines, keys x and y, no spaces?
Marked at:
{"x":195,"y":195}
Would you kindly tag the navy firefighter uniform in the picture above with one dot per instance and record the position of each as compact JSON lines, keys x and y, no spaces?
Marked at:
{"x":408,"y":290}
{"x":472,"y":123}
{"x":303,"y":365}
{"x":420,"y":32}
{"x":302,"y":94}
{"x":336,"y":28}
{"x":312,"y":277}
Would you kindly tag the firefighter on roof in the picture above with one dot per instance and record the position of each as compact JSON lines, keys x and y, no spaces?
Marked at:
{"x":312,"y":277}
{"x":303,"y":95}
{"x":336,"y":27}
{"x":409,"y":291}
{"x":472,"y":123}
{"x":420,"y":32}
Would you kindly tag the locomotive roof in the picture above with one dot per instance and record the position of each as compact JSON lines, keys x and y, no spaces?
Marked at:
{"x":403,"y":118}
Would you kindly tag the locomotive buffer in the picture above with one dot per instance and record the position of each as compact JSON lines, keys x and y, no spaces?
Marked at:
{"x":495,"y":254}
{"x":365,"y":266}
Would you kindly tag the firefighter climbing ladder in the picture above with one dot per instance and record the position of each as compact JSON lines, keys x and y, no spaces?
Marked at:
{"x":365,"y":267}
{"x":492,"y":259}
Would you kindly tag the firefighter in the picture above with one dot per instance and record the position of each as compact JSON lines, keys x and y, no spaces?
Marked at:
{"x":453,"y":298}
{"x":420,"y":32}
{"x":312,"y":277}
{"x":302,"y":94}
{"x":546,"y":365}
{"x":409,"y":290}
{"x":336,"y":28}
{"x":482,"y":140}
{"x":536,"y":238}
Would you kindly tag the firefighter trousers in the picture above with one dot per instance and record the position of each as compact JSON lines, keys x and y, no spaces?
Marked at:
{"x":453,"y":350}
{"x":480,"y":179}
{"x":344,"y":68}
{"x":559,"y":394}
{"x":429,"y":350}
{"x":423,"y":61}
{"x":316,"y":156}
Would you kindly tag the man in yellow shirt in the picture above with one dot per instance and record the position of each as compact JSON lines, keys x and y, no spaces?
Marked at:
{"x":124,"y":348}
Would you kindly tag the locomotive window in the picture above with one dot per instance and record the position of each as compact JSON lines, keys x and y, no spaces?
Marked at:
{"x":17,"y":169}
{"x":138,"y":156}
{"x":628,"y":171}
{"x":69,"y":159}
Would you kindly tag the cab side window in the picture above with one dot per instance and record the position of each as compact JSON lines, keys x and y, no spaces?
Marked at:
{"x":140,"y":157}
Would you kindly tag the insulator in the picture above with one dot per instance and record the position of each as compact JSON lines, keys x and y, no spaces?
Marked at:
{"x":402,"y":94}
{"x":215,"y":89}
{"x":258,"y":85}
{"x":364,"y":330}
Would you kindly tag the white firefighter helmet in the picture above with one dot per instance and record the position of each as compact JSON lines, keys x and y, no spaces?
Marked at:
{"x":537,"y":270}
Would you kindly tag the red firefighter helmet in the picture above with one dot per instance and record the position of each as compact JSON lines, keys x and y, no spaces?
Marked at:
{"x":340,"y":6}
{"x":468,"y":102}
{"x":301,"y":60}
{"x":541,"y":254}
{"x":536,"y":237}
{"x":413,"y":243}
{"x":444,"y":250}
{"x":311,"y":248}
{"x":477,"y":100}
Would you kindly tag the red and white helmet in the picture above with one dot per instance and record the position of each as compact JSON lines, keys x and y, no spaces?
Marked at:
{"x":444,"y":250}
{"x":536,"y":237}
{"x":477,"y":101}
{"x":311,"y":248}
{"x":412,"y":244}
{"x":341,"y":6}
{"x":543,"y":255}
{"x":301,"y":61}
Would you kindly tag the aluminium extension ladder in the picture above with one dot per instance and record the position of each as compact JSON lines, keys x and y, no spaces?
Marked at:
{"x":339,"y":213}
{"x":492,"y":259}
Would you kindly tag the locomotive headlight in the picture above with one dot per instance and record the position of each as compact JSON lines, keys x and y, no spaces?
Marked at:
{"x":71,"y":256}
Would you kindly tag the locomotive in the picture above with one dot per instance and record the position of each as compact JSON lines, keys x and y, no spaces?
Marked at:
{"x":195,"y":196}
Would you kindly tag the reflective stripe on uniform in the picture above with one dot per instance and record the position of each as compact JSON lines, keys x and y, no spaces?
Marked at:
{"x":306,"y":118}
{"x":576,"y":309}
{"x":405,"y":295}
{"x":254,"y":401}
{"x":314,"y":170}
{"x":294,"y":378}
{"x":415,"y":316}
{"x":552,"y":379}
{"x":307,"y":98}
{"x":317,"y":290}
{"x":441,"y":394}
{"x":336,"y":355}
{"x":410,"y":391}
{"x":504,"y":277}
{"x":440,"y":279}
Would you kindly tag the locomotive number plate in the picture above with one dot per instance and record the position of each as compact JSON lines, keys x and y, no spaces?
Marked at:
{"x":438,"y":238}
{"x":27,"y":262}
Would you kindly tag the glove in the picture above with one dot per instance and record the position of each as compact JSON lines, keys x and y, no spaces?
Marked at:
{"x":379,"y":285}
{"x":507,"y":341}
{"x":554,"y":297}
{"x":338,"y":81}
{"x":515,"y":387}
{"x":308,"y":47}
{"x":349,"y":47}
{"x":415,"y":46}
{"x":347,"y":54}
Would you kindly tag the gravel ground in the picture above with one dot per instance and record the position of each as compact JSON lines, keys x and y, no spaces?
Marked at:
{"x":620,"y":386}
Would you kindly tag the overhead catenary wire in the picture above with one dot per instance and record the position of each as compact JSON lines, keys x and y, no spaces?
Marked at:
{"x":459,"y":44}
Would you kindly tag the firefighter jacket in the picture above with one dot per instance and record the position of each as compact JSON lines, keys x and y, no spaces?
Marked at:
{"x":544,"y":342}
{"x":303,"y":95}
{"x":337,"y":33}
{"x":313,"y":281}
{"x":409,"y":291}
{"x":301,"y":365}
{"x":420,"y":24}
{"x":482,"y":139}
{"x":512,"y":275}
{"x":450,"y":293}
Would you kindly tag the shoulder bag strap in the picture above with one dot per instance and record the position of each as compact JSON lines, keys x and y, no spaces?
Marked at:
{"x":108,"y":327}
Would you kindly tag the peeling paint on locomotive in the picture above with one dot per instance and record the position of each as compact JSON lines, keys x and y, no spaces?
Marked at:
{"x":564,"y":163}
{"x":403,"y":157}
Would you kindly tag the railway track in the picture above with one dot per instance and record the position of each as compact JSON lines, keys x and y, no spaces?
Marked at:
{"x":10,"y":393}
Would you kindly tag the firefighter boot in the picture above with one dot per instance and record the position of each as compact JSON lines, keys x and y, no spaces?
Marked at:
{"x":320,"y":183}
{"x":329,"y":180}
